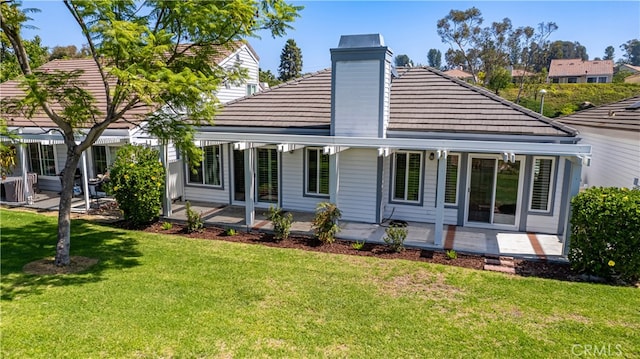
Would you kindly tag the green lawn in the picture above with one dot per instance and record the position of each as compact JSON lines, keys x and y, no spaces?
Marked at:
{"x":164,"y":296}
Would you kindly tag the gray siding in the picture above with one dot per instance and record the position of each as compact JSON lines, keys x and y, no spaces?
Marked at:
{"x":237,"y":91}
{"x":615,"y":160}
{"x":357,"y":98}
{"x":358,"y":180}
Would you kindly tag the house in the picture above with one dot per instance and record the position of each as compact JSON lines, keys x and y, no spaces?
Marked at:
{"x":613,"y":131}
{"x":44,"y":150}
{"x":579,"y":71}
{"x":410,"y":144}
{"x":634,"y":70}
{"x":459,"y":74}
{"x":518,"y":74}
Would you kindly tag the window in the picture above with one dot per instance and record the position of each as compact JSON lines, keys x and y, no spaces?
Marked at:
{"x":541,"y":188}
{"x":102,"y":157}
{"x":317,"y":172}
{"x":572,"y":80}
{"x":407,"y":176}
{"x":209,"y":171}
{"x":251,"y":89}
{"x":42,"y":160}
{"x":451,"y":180}
{"x":602,"y":79}
{"x":591,"y":80}
{"x":267,"y":175}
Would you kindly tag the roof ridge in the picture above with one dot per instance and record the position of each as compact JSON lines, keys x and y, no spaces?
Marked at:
{"x":491,"y":95}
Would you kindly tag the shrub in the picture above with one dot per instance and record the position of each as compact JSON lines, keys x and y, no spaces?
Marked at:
{"x":230,"y":232}
{"x":325,"y":222}
{"x":281,"y":222}
{"x":194,"y":220}
{"x":395,"y":236}
{"x":137,"y":183}
{"x":357,"y":245}
{"x":167,"y":226}
{"x":605,"y":233}
{"x":451,"y":254}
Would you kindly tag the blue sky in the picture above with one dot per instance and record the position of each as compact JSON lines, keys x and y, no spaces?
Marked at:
{"x":408,"y":27}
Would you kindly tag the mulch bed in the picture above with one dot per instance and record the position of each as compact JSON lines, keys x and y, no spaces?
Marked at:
{"x":529,"y":268}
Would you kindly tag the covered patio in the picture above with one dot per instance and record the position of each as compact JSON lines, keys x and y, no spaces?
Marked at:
{"x":420,"y":235}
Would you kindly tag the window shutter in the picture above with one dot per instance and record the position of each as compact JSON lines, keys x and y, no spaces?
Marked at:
{"x":413,"y":183}
{"x":400,"y":175}
{"x":451,"y":180}
{"x":312,"y":171}
{"x":324,"y":173}
{"x":542,"y":172}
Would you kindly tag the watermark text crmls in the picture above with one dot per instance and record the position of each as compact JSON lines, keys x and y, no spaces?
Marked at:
{"x":597,"y":350}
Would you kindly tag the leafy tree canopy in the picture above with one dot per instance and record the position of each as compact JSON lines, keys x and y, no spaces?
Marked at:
{"x":290,"y":61}
{"x":153,"y":55}
{"x":403,"y":60}
{"x":631,"y":52}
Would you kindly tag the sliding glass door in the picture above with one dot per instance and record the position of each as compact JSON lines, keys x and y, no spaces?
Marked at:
{"x":494,"y":191}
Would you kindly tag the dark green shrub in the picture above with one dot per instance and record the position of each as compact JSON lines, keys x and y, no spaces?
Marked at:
{"x":325,"y":222}
{"x":395,"y":236}
{"x":137,"y":183}
{"x":281,"y":222}
{"x":194,"y":219}
{"x":605,"y":233}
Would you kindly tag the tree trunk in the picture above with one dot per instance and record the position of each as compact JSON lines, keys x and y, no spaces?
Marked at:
{"x":63,"y":247}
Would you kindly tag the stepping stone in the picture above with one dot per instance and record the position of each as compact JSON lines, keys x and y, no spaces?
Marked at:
{"x":499,"y":262}
{"x":501,"y":269}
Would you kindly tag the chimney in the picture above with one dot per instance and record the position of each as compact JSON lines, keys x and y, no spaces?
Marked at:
{"x":360,"y":86}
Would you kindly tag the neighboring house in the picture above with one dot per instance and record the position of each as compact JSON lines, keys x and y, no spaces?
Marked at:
{"x":412,"y":144}
{"x":613,"y":131}
{"x":459,"y":74}
{"x":579,"y":71}
{"x":634,"y":78}
{"x":517,"y":74}
{"x":45,"y":150}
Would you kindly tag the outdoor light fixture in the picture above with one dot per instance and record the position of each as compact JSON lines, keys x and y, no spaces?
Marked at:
{"x":542,"y":93}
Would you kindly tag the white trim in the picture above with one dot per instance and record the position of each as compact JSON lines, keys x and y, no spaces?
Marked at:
{"x":551,"y":184}
{"x":491,"y":224}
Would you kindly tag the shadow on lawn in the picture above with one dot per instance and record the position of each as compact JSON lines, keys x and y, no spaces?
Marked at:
{"x":37,"y":240}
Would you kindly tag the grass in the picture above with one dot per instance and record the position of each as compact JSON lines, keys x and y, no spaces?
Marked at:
{"x":166,"y":296}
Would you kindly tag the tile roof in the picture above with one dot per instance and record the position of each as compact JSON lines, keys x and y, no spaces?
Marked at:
{"x":93,"y":83}
{"x":458,"y":74}
{"x":578,"y":67}
{"x":623,"y":115}
{"x":422,"y":99}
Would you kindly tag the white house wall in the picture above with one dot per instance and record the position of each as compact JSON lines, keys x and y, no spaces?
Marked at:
{"x":548,"y":223}
{"x":292,"y":184}
{"x":202,"y":193}
{"x":357,"y":187}
{"x":237,"y":91}
{"x":615,"y":159}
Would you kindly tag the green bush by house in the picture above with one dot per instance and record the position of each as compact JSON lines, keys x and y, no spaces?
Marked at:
{"x":137,"y":183}
{"x":605,"y":233}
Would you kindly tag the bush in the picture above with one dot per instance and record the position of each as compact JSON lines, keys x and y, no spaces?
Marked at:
{"x":281,"y":222}
{"x":357,"y":245}
{"x":137,"y":183}
{"x":395,"y":236}
{"x":451,"y":254}
{"x":167,"y":226}
{"x":605,"y":233}
{"x":194,"y":219}
{"x":230,"y":232}
{"x":325,"y":222}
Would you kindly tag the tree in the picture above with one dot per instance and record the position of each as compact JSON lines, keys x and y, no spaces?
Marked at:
{"x":567,"y":50}
{"x":460,"y":29}
{"x":68,"y":52}
{"x":268,"y":77}
{"x":153,"y":55}
{"x":435,"y":58}
{"x":402,"y":60}
{"x":492,"y":46}
{"x":500,"y":78}
{"x":631,"y":54}
{"x":10,"y":68}
{"x":290,"y":61}
{"x":609,"y":53}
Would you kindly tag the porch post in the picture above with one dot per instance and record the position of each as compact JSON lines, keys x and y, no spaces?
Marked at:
{"x":334,"y":178}
{"x":574,"y":188}
{"x":440,"y":185}
{"x":85,"y":181}
{"x":249,"y":188}
{"x":166,"y":197}
{"x":25,"y":177}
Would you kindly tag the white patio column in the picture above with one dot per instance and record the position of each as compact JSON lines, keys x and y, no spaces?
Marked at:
{"x":249,"y":188}
{"x":166,"y":197}
{"x":85,"y":181}
{"x":574,"y":188}
{"x":440,"y":185}
{"x":25,"y":177}
{"x":334,"y":178}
